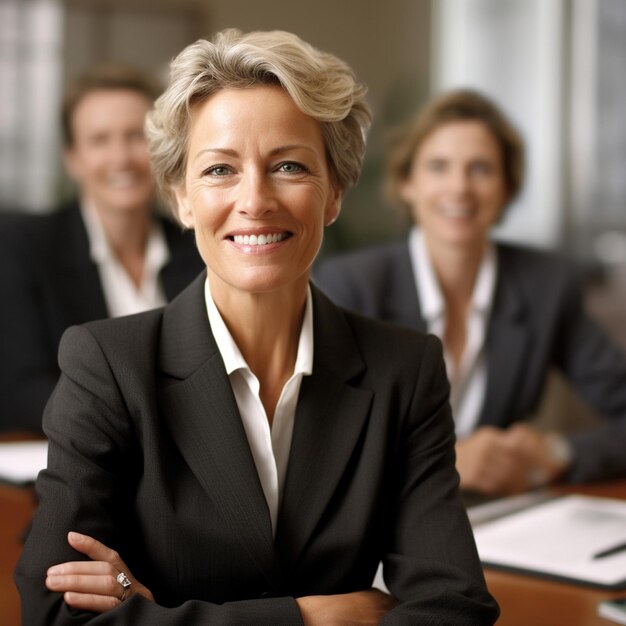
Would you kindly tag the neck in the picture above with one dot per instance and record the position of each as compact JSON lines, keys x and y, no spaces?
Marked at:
{"x":266,"y":328}
{"x":127,"y":235}
{"x":456,"y":269}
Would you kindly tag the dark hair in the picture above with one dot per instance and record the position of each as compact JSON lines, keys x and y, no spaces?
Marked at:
{"x":454,"y":106}
{"x":107,"y":76}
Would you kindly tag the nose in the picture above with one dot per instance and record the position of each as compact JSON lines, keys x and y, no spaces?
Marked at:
{"x":256,"y":195}
{"x":459,"y":180}
{"x":122,"y":152}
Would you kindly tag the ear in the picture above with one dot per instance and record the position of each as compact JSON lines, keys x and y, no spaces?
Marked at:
{"x":333,"y":207}
{"x":183,"y":209}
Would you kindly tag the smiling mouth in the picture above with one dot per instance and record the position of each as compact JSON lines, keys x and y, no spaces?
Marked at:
{"x":259,"y":240}
{"x":123,"y":180}
{"x":457,"y":211}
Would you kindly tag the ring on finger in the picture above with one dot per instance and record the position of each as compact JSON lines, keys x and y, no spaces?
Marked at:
{"x":123,"y":580}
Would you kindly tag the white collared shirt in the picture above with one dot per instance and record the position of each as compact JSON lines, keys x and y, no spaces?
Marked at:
{"x":121,"y":295}
{"x":468,"y":382}
{"x":270,"y":447}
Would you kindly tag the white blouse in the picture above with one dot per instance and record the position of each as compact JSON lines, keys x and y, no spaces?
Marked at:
{"x":468,"y":381}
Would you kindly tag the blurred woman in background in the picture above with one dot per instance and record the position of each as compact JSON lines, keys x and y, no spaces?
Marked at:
{"x":506,"y":314}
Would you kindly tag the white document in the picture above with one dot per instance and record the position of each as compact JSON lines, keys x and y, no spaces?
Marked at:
{"x":560,"y":538}
{"x":21,"y":461}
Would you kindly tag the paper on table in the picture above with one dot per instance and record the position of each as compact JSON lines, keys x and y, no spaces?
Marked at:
{"x":21,"y":461}
{"x":559,"y":538}
{"x":494,"y":508}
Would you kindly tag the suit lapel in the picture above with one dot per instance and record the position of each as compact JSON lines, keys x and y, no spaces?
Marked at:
{"x":506,"y":344}
{"x":330,"y":416}
{"x":202,"y":415}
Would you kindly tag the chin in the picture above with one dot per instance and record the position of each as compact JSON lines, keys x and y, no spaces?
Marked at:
{"x":267,"y":281}
{"x":132,"y":205}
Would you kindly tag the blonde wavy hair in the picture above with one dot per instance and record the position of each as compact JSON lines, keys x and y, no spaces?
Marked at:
{"x":320,"y":85}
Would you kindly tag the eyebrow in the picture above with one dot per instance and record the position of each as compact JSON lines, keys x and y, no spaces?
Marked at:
{"x":275,"y":151}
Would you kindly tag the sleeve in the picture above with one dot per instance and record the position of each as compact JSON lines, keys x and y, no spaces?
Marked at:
{"x":431,"y":564}
{"x":92,"y":446}
{"x":596,"y":368}
{"x":28,"y":368}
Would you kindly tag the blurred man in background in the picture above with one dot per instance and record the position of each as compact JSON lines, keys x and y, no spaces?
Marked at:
{"x":106,"y":253}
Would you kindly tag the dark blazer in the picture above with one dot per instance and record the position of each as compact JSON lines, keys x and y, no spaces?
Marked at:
{"x":49,"y":282}
{"x":148,"y":454}
{"x":537,"y":322}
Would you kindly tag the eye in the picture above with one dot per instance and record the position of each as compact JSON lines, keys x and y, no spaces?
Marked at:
{"x":481,"y":168}
{"x":217,"y":170}
{"x":99,"y":139}
{"x":436,"y":165}
{"x":291,"y":167}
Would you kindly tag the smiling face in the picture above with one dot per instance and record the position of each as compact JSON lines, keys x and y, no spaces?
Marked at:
{"x":257,"y":189}
{"x":456,"y":187}
{"x":108,"y":157}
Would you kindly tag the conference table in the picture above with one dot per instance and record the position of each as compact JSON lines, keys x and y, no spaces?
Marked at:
{"x":524,"y":600}
{"x":17,"y":505}
{"x":527,"y":600}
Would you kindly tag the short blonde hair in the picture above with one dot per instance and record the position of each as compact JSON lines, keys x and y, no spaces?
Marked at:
{"x":455,"y":106}
{"x":321,"y":86}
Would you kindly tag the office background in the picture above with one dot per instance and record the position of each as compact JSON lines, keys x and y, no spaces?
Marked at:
{"x":556,"y":66}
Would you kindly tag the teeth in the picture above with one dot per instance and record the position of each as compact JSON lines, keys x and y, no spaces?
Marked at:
{"x":261,"y":240}
{"x":122,"y":180}
{"x":455,"y":211}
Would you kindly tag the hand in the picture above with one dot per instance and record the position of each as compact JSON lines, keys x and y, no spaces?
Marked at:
{"x":538,"y":449}
{"x":495,"y":461}
{"x":92,"y":585}
{"x":359,"y":608}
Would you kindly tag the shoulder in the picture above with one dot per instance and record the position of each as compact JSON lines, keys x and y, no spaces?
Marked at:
{"x":39,"y":228}
{"x":116,"y":331}
{"x":363,"y":271}
{"x":534,"y":267}
{"x":24,"y":238}
{"x":530,"y":258}
{"x":127,"y":343}
{"x":377,"y":337}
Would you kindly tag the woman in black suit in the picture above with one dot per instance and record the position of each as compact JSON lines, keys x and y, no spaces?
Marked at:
{"x":506,"y":314}
{"x":251,"y":452}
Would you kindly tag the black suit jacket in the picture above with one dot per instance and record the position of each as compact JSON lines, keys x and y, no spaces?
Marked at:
{"x":537,"y":322}
{"x":49,"y":283}
{"x":148,"y":453}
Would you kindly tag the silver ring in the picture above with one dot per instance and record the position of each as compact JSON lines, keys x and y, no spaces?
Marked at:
{"x":123,"y":580}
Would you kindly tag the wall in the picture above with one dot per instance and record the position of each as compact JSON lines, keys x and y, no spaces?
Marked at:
{"x":387,"y":44}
